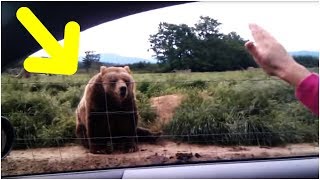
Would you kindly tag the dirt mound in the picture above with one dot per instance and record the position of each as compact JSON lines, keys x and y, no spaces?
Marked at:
{"x":165,"y":106}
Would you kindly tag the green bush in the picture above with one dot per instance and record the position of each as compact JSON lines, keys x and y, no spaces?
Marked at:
{"x":226,"y":110}
{"x":151,"y":89}
{"x":146,"y":112}
{"x":143,"y":87}
{"x":55,"y":88}
{"x":199,"y":84}
{"x":35,"y":87}
{"x":38,"y":118}
{"x":72,"y":96}
{"x":244,"y":115}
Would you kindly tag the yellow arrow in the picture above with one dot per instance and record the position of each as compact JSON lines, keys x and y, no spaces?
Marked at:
{"x":63,"y":60}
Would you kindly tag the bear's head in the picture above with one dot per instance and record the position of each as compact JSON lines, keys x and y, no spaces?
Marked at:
{"x":117,"y":82}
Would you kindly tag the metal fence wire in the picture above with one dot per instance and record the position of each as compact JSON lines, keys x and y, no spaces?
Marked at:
{"x":200,"y":136}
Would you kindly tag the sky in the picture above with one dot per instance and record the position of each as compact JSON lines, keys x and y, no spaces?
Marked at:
{"x":293,"y":24}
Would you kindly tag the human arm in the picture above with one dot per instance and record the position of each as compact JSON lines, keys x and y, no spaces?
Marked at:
{"x":272,"y":57}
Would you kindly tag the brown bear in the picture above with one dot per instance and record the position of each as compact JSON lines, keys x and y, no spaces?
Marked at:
{"x":107,"y":117}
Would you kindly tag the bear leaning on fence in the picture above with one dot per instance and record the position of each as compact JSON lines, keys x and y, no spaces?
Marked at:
{"x":107,"y":117}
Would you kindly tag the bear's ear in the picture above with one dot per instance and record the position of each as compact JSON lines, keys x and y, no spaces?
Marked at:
{"x":103,"y":69}
{"x":127,"y":69}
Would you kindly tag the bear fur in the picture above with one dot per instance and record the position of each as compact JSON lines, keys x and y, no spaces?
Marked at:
{"x":107,"y":117}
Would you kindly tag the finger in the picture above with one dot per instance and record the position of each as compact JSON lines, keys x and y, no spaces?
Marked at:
{"x":252,"y":49}
{"x":257,"y":32}
{"x":249,"y":44}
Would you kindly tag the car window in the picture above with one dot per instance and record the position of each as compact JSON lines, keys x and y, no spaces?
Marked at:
{"x":182,"y":89}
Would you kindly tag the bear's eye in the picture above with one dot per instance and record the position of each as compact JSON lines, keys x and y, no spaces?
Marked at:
{"x":113,"y":81}
{"x":127,"y":82}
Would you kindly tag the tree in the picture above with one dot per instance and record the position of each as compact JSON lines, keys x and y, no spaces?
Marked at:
{"x":240,"y":58}
{"x":90,"y":58}
{"x":173,"y":45}
{"x":210,"y":50}
{"x":207,"y":28}
{"x":199,"y":48}
{"x":307,"y":61}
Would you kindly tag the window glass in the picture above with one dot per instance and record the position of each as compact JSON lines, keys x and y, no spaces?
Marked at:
{"x":190,"y":93}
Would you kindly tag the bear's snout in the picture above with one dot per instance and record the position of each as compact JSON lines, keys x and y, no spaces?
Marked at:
{"x":123,"y":91}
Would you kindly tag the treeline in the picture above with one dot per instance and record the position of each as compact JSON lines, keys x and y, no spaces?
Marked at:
{"x":199,"y":48}
{"x":307,"y":61}
{"x":203,"y":48}
{"x":147,"y":67}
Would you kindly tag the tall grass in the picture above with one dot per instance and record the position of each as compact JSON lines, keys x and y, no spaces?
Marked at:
{"x":265,"y":113}
{"x":221,"y":108}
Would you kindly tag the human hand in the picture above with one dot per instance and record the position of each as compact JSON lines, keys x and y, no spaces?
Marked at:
{"x":270,"y":55}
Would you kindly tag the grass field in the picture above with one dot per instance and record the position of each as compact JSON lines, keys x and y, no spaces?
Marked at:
{"x":239,"y":107}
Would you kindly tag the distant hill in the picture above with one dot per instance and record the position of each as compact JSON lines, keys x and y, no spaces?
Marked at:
{"x":304,"y":53}
{"x":109,"y":58}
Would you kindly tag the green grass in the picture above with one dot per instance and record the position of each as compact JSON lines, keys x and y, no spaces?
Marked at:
{"x":238,"y":107}
{"x":242,"y":114}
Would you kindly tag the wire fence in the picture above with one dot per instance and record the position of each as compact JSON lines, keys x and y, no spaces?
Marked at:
{"x":238,"y":109}
{"x":160,"y":136}
{"x":146,"y":81}
{"x":206,"y":143}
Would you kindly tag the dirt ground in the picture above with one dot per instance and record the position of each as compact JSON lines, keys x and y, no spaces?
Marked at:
{"x":75,"y":157}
